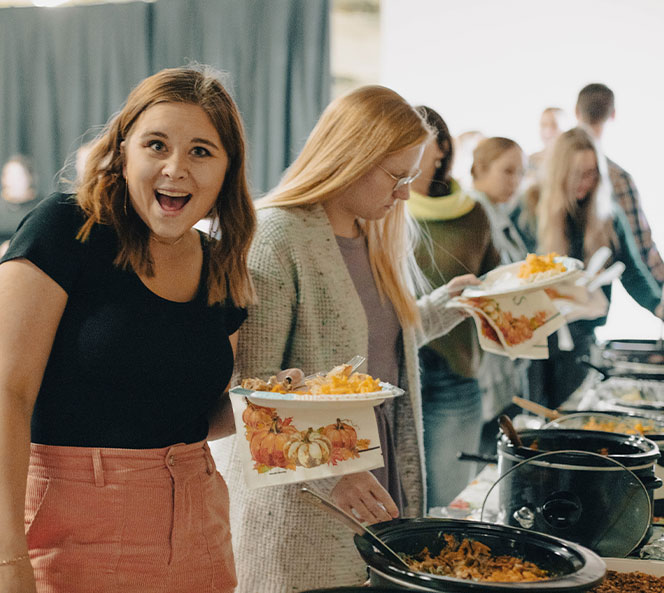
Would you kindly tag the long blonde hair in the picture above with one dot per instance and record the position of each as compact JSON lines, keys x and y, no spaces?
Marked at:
{"x":354,"y":133}
{"x":102,"y":191}
{"x":556,"y":202}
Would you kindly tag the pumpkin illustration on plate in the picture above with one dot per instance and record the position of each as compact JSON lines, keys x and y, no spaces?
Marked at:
{"x":267,"y":444}
{"x":342,"y":435}
{"x":257,"y":417}
{"x":308,"y":448}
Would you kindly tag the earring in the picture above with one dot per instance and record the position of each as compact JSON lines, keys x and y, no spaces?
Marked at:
{"x":126,"y":199}
{"x":438,"y":163}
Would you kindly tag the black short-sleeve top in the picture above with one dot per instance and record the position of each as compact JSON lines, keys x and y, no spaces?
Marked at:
{"x":128,"y":369}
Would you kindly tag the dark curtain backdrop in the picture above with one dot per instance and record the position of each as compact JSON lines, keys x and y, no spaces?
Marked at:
{"x":277,"y":55}
{"x":65,"y":71}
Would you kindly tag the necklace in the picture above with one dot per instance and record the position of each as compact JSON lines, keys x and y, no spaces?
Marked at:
{"x":171,"y":243}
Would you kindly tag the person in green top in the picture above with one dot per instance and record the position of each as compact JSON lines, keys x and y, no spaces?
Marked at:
{"x":572,"y":213}
{"x":457,"y":241}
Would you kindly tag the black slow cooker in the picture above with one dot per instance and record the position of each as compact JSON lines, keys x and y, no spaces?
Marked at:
{"x":626,"y":422}
{"x":573,"y":567}
{"x":355,"y":590}
{"x":594,"y":488}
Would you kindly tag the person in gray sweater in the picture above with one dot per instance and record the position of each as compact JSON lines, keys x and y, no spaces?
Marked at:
{"x":335,"y":276}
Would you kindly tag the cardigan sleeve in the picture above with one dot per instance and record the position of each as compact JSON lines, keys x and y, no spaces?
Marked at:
{"x":637,"y":279}
{"x":436,"y":318}
{"x":264,"y":337}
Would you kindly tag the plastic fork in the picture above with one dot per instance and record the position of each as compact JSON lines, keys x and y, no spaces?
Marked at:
{"x":354,"y":363}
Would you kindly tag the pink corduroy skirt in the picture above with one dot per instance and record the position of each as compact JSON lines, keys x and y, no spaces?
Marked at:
{"x":128,"y":520}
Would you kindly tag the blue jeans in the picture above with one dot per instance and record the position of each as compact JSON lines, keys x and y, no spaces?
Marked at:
{"x":452,"y":409}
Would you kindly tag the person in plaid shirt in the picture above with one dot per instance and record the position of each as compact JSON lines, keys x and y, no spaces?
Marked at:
{"x":594,"y":107}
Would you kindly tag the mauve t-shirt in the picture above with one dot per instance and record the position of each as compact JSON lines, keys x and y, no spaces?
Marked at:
{"x":383,"y":359}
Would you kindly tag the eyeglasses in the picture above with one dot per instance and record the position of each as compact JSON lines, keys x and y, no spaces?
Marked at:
{"x":401,"y":181}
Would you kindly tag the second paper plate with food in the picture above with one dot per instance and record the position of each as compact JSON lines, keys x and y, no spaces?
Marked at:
{"x":533,"y":273}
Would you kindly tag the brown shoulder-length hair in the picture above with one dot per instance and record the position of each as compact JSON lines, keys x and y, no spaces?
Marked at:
{"x":102,"y":191}
{"x":556,"y":203}
{"x":487,"y":151}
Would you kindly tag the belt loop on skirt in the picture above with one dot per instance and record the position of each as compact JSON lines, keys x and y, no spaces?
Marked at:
{"x":209,"y":460}
{"x":98,"y":468}
{"x":186,"y":464}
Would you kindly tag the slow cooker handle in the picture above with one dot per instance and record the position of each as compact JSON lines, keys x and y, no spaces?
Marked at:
{"x":463,"y":456}
{"x":652,"y":483}
{"x":584,"y":360}
{"x":562,"y":511}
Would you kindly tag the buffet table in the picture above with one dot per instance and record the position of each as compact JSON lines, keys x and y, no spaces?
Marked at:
{"x":472,"y":503}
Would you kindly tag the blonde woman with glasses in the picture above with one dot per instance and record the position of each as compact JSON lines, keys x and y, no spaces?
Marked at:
{"x":335,"y":276}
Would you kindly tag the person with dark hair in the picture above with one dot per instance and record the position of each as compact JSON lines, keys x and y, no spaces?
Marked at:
{"x":456,"y":240}
{"x":119,"y":326}
{"x":18,"y":193}
{"x":595,"y":106}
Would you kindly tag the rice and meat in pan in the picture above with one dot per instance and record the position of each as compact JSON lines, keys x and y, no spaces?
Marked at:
{"x":473,"y":560}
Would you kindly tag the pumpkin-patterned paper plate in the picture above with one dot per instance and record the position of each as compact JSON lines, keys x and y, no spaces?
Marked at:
{"x":375,"y":397}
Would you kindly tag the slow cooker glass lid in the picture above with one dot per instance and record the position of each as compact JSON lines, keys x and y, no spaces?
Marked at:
{"x":579,"y":496}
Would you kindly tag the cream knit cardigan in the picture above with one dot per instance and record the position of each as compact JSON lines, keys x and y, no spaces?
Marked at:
{"x":310,"y":316}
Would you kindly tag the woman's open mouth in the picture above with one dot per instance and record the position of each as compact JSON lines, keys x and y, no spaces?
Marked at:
{"x":172,"y":201}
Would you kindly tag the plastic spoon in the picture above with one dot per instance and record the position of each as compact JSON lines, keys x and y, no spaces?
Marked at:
{"x":353,"y":523}
{"x":607,"y":276}
{"x":597,"y":260}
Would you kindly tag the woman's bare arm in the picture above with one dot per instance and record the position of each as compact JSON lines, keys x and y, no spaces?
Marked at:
{"x":31,"y":306}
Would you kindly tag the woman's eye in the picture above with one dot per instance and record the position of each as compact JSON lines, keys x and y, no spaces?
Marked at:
{"x":157,"y":145}
{"x":200,"y":151}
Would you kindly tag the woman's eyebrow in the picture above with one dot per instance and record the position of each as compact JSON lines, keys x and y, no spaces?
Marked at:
{"x":196,"y":140}
{"x":204,"y":141}
{"x":154,"y":133}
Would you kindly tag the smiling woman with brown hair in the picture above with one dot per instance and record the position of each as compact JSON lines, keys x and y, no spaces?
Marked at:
{"x":118,"y":339}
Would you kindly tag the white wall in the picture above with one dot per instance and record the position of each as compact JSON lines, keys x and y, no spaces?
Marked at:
{"x":493,"y":65}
